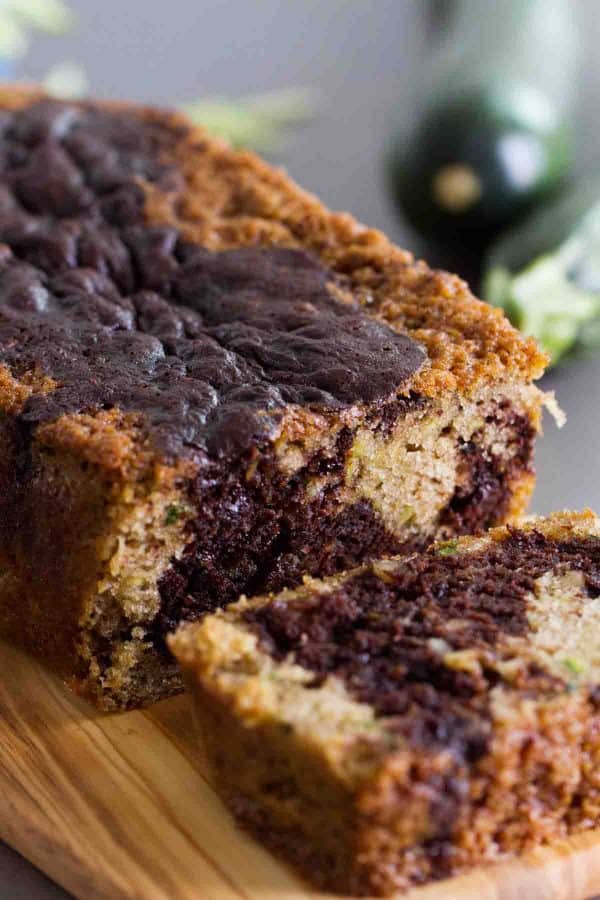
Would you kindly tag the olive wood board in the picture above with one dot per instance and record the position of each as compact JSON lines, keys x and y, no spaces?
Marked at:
{"x":121,"y":806}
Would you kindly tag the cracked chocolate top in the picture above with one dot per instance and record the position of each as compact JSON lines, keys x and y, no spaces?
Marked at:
{"x":208,"y":346}
{"x":386,"y":635}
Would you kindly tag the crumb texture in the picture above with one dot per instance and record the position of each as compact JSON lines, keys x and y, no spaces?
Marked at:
{"x":392,"y":632}
{"x":466,"y":726}
{"x":384,"y":488}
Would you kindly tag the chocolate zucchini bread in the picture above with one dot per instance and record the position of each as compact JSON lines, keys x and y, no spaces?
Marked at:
{"x":210,"y":384}
{"x":416,"y":716}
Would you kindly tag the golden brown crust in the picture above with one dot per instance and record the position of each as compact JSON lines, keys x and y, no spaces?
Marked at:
{"x":233,"y":198}
{"x":113,"y":441}
{"x":560,"y":526}
{"x":14,"y":392}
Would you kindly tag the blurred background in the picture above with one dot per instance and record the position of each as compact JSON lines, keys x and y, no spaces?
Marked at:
{"x":369,"y":91}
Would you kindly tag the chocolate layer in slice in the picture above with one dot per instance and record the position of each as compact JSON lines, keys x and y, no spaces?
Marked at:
{"x":414,"y":717}
{"x":210,"y":384}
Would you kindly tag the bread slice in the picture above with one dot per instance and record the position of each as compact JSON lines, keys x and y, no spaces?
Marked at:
{"x":210,"y":384}
{"x":414,"y":717}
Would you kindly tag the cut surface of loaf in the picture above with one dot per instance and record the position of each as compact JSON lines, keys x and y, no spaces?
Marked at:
{"x":210,"y":384}
{"x":417,"y":716}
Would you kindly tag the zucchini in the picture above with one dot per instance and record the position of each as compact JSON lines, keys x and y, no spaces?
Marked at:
{"x":478,"y":161}
{"x":546,"y":273}
{"x":495,"y":135}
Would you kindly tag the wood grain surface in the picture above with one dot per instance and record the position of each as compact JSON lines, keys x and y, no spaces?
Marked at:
{"x":121,"y":806}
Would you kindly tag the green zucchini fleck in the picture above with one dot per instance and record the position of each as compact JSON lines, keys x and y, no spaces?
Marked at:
{"x":173,"y":514}
{"x":449,"y":548}
{"x":574,"y":665}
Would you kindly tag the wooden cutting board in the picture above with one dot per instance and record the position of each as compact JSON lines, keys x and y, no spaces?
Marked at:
{"x":121,"y":806}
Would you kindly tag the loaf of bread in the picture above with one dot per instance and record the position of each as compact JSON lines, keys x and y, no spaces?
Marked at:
{"x":414,"y":717}
{"x":210,"y":384}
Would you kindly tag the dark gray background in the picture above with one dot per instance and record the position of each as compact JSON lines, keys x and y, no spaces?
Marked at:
{"x":363,"y":60}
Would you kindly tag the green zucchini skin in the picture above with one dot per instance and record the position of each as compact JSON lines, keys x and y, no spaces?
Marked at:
{"x":545,"y":229}
{"x":545,"y":273}
{"x":479,"y":161}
